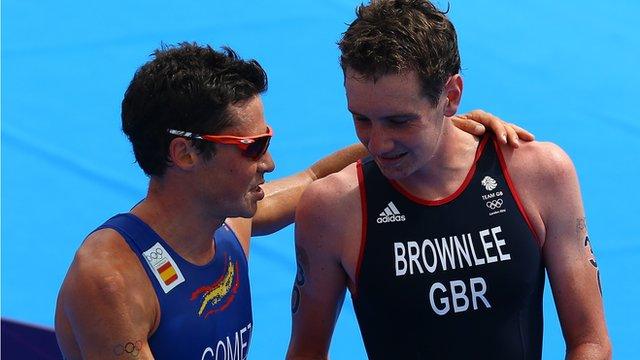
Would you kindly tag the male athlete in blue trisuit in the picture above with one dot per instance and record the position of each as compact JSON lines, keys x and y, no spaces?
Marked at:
{"x":168,"y":279}
{"x":441,"y":237}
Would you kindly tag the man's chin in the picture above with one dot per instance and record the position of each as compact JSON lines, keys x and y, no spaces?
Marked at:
{"x":393,"y":173}
{"x":251,"y":209}
{"x":248,"y":212}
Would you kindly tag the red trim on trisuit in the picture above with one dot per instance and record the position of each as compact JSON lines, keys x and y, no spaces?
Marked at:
{"x":363,"y":237}
{"x":453,"y":196}
{"x":514,"y":192}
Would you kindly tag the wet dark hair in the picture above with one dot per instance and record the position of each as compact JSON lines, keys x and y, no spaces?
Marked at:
{"x":185,"y":87}
{"x":396,"y":36}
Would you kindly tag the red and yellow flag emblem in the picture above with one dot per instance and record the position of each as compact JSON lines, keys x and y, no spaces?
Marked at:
{"x":168,"y":273}
{"x":165,"y":270}
{"x":219,"y":295}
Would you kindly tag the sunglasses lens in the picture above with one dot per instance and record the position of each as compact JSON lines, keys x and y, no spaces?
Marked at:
{"x":256,"y":149}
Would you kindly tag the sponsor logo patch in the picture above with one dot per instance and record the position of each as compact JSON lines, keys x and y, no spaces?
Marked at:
{"x":163,"y":267}
{"x":390,"y":214}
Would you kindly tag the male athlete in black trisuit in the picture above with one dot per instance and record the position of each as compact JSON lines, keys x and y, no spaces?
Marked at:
{"x":441,"y":237}
{"x":477,"y":277}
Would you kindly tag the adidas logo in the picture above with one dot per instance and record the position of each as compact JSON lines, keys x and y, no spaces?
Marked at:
{"x":390,"y":214}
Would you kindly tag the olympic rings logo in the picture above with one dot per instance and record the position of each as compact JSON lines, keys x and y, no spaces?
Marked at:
{"x":155,"y":255}
{"x":130,"y":348}
{"x":494,"y":204}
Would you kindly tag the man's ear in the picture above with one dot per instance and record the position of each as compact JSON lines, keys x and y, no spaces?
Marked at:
{"x":453,"y":94}
{"x":182,"y":153}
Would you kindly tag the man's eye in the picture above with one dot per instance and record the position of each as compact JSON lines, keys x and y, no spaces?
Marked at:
{"x":399,"y":121}
{"x":360,"y":118}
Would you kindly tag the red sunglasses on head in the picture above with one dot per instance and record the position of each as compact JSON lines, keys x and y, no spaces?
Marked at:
{"x":252,"y":147}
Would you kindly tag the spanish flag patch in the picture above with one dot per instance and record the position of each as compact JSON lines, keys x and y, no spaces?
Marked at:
{"x":163,"y":267}
{"x":168,"y":273}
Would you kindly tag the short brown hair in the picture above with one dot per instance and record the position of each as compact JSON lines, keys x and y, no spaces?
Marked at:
{"x":395,"y":36}
{"x":185,"y":87}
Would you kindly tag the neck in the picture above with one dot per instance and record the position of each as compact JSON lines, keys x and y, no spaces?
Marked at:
{"x":177,"y":218}
{"x":447,"y":169}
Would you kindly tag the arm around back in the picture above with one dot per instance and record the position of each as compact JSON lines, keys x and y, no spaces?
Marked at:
{"x":277,"y":209}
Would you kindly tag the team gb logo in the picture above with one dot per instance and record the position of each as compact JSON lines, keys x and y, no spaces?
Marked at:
{"x":489,"y":183}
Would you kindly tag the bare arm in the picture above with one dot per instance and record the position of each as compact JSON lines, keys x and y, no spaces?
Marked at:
{"x":103,"y":311}
{"x":278,"y":207}
{"x":570,"y":263}
{"x":320,"y":284}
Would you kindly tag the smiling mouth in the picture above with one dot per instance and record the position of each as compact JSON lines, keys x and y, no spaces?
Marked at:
{"x":392,"y":157}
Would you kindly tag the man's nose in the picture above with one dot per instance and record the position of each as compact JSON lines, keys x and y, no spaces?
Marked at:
{"x":379,"y":140}
{"x":266,"y":163}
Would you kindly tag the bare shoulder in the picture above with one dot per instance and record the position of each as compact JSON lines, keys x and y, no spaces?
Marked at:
{"x":103,"y":260}
{"x":329,"y":224}
{"x":546,"y":182}
{"x":327,"y":201}
{"x":106,"y":299}
{"x":328,"y":216}
{"x":540,"y":163}
{"x":105,"y":274}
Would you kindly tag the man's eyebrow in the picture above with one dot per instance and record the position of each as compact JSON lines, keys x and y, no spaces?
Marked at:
{"x":390,"y":117}
{"x":407,"y":116}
